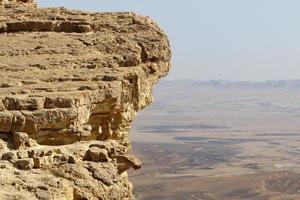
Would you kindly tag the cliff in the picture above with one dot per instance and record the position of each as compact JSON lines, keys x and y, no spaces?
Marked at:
{"x":71,"y":83}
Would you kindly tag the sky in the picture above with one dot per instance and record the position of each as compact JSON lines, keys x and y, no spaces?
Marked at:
{"x":233,"y":40}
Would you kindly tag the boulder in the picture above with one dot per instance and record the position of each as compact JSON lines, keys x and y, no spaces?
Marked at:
{"x":21,"y":140}
{"x":24,"y":164}
{"x":96,"y":154}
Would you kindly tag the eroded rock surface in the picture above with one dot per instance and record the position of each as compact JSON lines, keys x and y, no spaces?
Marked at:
{"x":71,"y":83}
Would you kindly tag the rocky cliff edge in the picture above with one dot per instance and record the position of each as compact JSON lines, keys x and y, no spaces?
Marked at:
{"x":71,"y":83}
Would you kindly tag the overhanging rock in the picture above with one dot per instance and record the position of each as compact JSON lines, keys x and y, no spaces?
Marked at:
{"x":71,"y":83}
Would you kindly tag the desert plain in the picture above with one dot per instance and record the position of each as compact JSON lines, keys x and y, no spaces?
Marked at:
{"x":219,"y":140}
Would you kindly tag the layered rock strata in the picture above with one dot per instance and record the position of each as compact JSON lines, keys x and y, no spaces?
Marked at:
{"x":71,"y":83}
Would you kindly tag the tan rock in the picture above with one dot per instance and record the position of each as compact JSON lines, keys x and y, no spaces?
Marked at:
{"x":125,"y":162}
{"x":24,"y":164}
{"x":36,"y":153}
{"x":97,"y":155}
{"x":18,"y":121}
{"x":6,"y":120}
{"x":60,"y":159}
{"x":72,"y":159}
{"x":2,"y":108}
{"x":40,"y":162}
{"x":9,"y":156}
{"x":71,"y":84}
{"x":22,"y":154}
{"x":21,"y":140}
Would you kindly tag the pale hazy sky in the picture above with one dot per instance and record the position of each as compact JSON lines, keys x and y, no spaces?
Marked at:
{"x":220,"y":39}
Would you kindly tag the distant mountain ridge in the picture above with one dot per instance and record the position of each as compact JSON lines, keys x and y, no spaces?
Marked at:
{"x":270,"y":84}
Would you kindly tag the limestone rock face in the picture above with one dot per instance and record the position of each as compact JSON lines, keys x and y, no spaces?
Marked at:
{"x":71,"y":83}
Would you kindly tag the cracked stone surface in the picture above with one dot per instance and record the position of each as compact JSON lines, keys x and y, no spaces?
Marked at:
{"x":71,"y":83}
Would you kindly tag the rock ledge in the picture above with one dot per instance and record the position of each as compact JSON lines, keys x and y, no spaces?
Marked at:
{"x":71,"y":83}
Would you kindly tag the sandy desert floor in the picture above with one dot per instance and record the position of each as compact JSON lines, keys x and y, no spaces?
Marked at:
{"x":208,"y":143}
